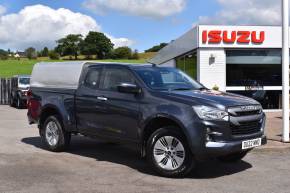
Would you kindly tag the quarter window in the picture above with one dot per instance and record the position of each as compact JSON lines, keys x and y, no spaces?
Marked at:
{"x":92,"y":79}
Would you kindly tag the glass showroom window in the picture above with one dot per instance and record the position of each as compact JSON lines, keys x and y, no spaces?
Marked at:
{"x":188,"y":64}
{"x":254,"y":68}
{"x":256,"y":74}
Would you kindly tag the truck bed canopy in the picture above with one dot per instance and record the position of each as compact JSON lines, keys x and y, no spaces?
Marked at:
{"x":57,"y":74}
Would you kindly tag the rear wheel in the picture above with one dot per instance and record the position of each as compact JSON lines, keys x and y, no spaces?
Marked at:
{"x":235,"y":157}
{"x":168,"y":153}
{"x":53,"y":135}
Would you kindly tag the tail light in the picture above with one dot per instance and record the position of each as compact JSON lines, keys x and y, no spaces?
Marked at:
{"x":29,"y":93}
{"x":24,"y":93}
{"x":32,"y":104}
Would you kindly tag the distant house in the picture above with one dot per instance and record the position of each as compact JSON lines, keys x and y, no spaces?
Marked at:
{"x":20,"y":54}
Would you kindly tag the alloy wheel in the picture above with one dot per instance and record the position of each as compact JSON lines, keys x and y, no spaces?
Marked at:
{"x":52,"y":133}
{"x":169,"y":153}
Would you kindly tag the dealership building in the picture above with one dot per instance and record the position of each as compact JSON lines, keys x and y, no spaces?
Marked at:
{"x":245,"y":60}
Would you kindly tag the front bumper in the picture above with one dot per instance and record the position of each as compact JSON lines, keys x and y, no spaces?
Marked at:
{"x":224,"y":148}
{"x":222,"y":140}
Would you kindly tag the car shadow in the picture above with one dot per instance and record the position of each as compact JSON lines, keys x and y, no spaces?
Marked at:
{"x":128,"y":156}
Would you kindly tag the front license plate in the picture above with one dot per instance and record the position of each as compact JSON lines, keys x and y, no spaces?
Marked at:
{"x":251,"y":143}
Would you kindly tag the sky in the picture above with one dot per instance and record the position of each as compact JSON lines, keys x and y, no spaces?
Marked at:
{"x":139,"y":24}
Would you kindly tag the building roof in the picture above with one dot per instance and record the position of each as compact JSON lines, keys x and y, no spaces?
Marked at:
{"x":178,"y":47}
{"x":258,"y":37}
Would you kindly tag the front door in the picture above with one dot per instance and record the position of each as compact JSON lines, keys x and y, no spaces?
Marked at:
{"x":122,"y":112}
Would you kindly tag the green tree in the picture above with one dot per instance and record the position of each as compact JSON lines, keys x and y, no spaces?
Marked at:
{"x":156,"y":48}
{"x":70,"y":45}
{"x":53,"y":55}
{"x":3,"y":55}
{"x":122,"y":53}
{"x":31,"y":53}
{"x":96,"y":43}
{"x":135,"y":55}
{"x":44,"y":52}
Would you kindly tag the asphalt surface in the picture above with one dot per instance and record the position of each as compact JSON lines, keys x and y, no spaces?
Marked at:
{"x":91,"y":166}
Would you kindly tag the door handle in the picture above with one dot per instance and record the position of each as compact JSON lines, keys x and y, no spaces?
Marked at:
{"x":102,"y":98}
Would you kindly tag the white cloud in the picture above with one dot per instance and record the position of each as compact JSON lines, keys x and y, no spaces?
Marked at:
{"x":246,"y":12}
{"x":40,"y":26}
{"x":120,"y":42}
{"x":2,"y":9}
{"x":147,"y":8}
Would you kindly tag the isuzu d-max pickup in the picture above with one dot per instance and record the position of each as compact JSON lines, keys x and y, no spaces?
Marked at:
{"x":172,"y":119}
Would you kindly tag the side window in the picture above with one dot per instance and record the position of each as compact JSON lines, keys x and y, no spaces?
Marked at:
{"x":93,"y":77}
{"x":114,"y":77}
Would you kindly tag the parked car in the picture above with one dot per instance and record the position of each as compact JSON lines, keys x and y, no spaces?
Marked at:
{"x":20,"y":86}
{"x":172,"y":119}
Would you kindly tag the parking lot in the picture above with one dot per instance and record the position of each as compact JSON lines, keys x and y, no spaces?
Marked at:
{"x":91,"y":166}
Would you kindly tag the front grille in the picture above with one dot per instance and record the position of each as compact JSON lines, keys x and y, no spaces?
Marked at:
{"x":248,"y":113}
{"x":246,"y":128}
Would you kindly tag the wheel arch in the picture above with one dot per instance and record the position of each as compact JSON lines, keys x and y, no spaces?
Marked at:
{"x":47,"y":111}
{"x":156,"y":122}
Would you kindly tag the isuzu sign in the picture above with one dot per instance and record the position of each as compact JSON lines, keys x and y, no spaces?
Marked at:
{"x":232,"y":37}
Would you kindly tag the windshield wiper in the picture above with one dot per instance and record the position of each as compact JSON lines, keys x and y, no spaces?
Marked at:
{"x":202,"y":88}
{"x":177,"y":89}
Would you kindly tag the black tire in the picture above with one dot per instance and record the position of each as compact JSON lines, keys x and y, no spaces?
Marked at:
{"x":12,"y":103}
{"x":234,"y":157}
{"x":63,"y":141}
{"x":18,"y":103}
{"x":181,"y":170}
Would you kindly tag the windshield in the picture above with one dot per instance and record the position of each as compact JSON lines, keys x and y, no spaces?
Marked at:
{"x":24,"y":80}
{"x":167,"y":79}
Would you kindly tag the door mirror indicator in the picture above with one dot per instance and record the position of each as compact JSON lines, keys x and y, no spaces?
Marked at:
{"x":129,"y":88}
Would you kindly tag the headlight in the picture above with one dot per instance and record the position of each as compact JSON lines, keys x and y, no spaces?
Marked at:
{"x":209,"y":113}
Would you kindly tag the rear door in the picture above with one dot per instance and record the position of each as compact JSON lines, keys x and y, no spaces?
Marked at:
{"x":89,"y":108}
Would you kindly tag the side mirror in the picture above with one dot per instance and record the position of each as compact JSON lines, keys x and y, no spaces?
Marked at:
{"x":129,"y":88}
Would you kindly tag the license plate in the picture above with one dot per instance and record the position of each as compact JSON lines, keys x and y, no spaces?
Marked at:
{"x":251,"y":143}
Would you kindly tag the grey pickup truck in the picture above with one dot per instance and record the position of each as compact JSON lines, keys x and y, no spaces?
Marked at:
{"x":172,"y":119}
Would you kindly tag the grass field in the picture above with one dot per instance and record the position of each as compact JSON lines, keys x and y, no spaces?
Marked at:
{"x":11,"y":67}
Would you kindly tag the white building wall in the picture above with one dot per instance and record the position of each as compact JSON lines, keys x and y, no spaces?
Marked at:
{"x":211,"y":73}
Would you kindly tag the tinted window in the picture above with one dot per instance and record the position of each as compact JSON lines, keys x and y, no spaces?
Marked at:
{"x":254,"y":75}
{"x":24,"y":80}
{"x":167,"y":79}
{"x":113,"y":77}
{"x":93,"y":77}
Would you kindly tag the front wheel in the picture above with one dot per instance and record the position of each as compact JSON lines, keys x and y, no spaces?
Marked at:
{"x":53,"y":135}
{"x":12,"y":103}
{"x":168,"y":153}
{"x":235,"y":157}
{"x":18,"y":103}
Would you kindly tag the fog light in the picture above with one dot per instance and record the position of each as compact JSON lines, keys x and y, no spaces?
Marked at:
{"x":208,"y":137}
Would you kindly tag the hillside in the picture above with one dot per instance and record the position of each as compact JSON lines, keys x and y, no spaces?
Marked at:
{"x":11,"y":67}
